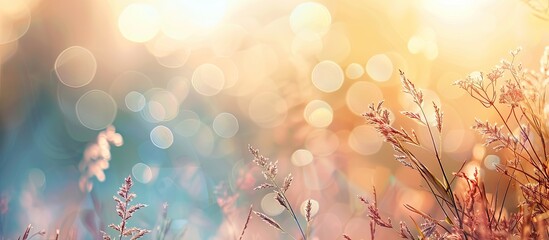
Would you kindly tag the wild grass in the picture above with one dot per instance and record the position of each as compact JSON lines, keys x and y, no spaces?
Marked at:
{"x":125,"y":211}
{"x":518,"y":97}
{"x":515,"y":94}
{"x":27,"y":234}
{"x":270,"y":172}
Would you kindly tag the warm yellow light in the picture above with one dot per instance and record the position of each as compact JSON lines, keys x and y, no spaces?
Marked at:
{"x":311,"y":18}
{"x":318,"y":114}
{"x":457,"y":3}
{"x":139,"y":22}
{"x":208,"y":13}
{"x":454,"y":10}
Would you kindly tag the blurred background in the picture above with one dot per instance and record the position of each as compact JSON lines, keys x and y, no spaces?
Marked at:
{"x":188,"y":84}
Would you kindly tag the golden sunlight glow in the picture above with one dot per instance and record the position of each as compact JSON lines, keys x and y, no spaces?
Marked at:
{"x":15,"y":20}
{"x":270,"y":206}
{"x":354,"y":71}
{"x":207,"y":13}
{"x":491,"y":162}
{"x":379,"y":68}
{"x":479,"y":150}
{"x":454,"y":10}
{"x":139,"y":22}
{"x":75,"y":66}
{"x":310,"y":18}
{"x":317,"y":85}
{"x":318,"y":114}
{"x":360,"y":94}
{"x":327,"y":76}
{"x":183,"y":18}
{"x":471,"y":168}
{"x":302,"y":157}
{"x":364,"y":140}
{"x":424,"y":41}
{"x":208,"y":79}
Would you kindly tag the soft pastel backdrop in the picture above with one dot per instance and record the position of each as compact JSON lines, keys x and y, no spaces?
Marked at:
{"x":188,"y":84}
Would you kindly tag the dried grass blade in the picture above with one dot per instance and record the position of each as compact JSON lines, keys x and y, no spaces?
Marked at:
{"x":268,"y":220}
{"x":246,"y":224}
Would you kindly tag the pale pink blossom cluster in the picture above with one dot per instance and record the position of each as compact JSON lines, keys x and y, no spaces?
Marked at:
{"x":97,"y":156}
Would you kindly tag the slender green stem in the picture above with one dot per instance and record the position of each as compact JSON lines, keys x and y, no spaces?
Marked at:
{"x":523,"y":131}
{"x":515,"y":138}
{"x":290,"y":208}
{"x":414,"y":160}
{"x":123,"y":224}
{"x":529,"y":105}
{"x":439,"y":160}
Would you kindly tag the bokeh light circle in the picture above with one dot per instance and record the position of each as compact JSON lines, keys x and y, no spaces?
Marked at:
{"x":37,"y":178}
{"x":162,"y":105}
{"x":8,"y":50}
{"x":322,"y":142}
{"x":315,"y":206}
{"x":139,"y":22}
{"x":452,"y":140}
{"x":208,"y":79}
{"x":270,"y":205}
{"x":360,"y":95}
{"x":135,"y":101}
{"x":230,"y":70}
{"x":491,"y":162}
{"x":162,"y":137}
{"x":310,"y":17}
{"x":175,"y":59}
{"x":379,"y":67}
{"x":225,"y":125}
{"x":142,"y":173}
{"x":415,"y":44}
{"x":15,"y":22}
{"x":75,"y":66}
{"x":304,"y":44}
{"x":127,"y":82}
{"x":318,"y":114}
{"x":155,"y":111}
{"x":479,"y":150}
{"x":189,"y":125}
{"x":424,"y":41}
{"x":96,"y":109}
{"x":302,"y":157}
{"x":327,"y":76}
{"x":354,"y":71}
{"x":179,"y":87}
{"x":365,"y":140}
